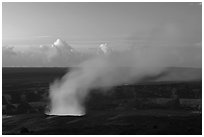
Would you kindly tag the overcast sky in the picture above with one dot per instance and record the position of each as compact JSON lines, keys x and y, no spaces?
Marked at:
{"x":82,"y":24}
{"x":97,"y":21}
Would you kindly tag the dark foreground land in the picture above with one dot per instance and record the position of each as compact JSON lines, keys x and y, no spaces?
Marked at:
{"x":172,"y":108}
{"x":137,"y":122}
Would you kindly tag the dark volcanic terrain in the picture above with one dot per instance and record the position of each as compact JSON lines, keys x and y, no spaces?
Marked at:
{"x":137,"y":122}
{"x":142,"y":109}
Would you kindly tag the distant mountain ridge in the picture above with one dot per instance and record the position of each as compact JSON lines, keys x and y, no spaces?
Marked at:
{"x":170,"y":74}
{"x":176,"y":74}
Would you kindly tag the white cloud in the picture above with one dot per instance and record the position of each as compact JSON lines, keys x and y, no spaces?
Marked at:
{"x":61,"y":54}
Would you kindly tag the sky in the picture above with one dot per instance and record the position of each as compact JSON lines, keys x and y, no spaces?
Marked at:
{"x":87,"y":24}
{"x":95,"y":21}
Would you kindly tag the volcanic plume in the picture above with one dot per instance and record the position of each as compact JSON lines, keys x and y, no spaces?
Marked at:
{"x":161,"y":51}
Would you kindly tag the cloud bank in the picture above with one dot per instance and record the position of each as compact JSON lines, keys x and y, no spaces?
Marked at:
{"x":60,"y":54}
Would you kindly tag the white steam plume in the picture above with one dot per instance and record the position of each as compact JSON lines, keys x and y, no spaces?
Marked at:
{"x":68,"y":94}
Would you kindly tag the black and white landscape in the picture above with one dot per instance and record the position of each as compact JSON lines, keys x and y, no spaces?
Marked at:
{"x":102,"y":68}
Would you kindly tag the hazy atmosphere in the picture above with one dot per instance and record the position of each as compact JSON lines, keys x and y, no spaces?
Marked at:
{"x":102,"y":68}
{"x":31,"y":29}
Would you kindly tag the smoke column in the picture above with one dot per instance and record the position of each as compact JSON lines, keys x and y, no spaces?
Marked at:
{"x":68,"y":94}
